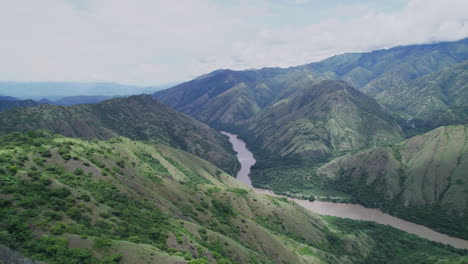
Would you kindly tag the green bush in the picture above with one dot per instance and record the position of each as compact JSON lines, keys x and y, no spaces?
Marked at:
{"x":102,"y":242}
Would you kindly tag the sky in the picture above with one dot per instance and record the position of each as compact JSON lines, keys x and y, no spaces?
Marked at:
{"x":152,"y":42}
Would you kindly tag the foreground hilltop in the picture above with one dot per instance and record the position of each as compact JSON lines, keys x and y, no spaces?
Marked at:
{"x":137,"y":117}
{"x":67,"y":200}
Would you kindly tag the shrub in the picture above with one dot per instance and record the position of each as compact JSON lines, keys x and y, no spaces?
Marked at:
{"x":102,"y":242}
{"x":44,"y":152}
{"x":78,"y":172}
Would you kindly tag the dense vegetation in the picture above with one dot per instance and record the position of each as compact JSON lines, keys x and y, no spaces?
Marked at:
{"x":72,"y":201}
{"x":412,"y":249}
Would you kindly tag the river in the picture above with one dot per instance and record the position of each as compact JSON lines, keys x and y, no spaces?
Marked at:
{"x":351,"y":211}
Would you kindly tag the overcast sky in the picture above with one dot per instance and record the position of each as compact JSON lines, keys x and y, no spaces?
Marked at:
{"x":149,"y":42}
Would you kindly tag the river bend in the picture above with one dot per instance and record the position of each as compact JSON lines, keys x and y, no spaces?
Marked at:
{"x":351,"y":211}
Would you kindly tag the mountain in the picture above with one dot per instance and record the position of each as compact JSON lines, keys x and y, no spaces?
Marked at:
{"x":65,"y":101}
{"x":8,"y":98}
{"x":376,"y":71}
{"x":423,"y":179}
{"x":225,"y":97}
{"x":7,"y":104}
{"x":66,"y":200}
{"x":136,"y":117}
{"x":444,"y":93}
{"x":254,"y":105}
{"x":45,"y":101}
{"x":82,"y":99}
{"x":53,"y":90}
{"x":323,"y":118}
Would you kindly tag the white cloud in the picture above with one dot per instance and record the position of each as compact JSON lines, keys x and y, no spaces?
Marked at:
{"x":152,"y":41}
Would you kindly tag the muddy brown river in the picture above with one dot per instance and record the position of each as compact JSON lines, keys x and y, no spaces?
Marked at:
{"x":351,"y":211}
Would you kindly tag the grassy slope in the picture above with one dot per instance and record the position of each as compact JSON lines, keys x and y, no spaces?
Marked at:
{"x":422,"y":179}
{"x":136,"y":117}
{"x":67,"y":200}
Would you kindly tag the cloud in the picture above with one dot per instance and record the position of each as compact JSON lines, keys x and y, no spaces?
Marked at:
{"x":421,"y":21}
{"x":153,"y":41}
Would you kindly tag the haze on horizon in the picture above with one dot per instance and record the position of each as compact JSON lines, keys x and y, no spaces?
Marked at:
{"x":149,"y":42}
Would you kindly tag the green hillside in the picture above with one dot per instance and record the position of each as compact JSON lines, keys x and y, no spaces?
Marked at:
{"x":437,"y":99}
{"x":67,"y":200}
{"x":136,"y":117}
{"x":322,"y":119}
{"x":423,"y":179}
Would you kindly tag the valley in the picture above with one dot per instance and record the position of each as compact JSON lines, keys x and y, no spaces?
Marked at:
{"x":351,"y":211}
{"x":360,"y":158}
{"x":67,"y":200}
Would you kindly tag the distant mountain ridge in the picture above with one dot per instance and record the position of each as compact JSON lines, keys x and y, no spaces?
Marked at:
{"x":7,"y":104}
{"x":376,"y":71}
{"x":8,"y":98}
{"x":56,"y":90}
{"x":65,"y":101}
{"x":436,"y":99}
{"x":226,"y":97}
{"x":83,"y":99}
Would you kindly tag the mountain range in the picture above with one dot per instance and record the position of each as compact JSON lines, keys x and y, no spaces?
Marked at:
{"x":7,"y":102}
{"x":296,"y":119}
{"x":57,"y":90}
{"x":226,"y":96}
{"x":132,"y":180}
